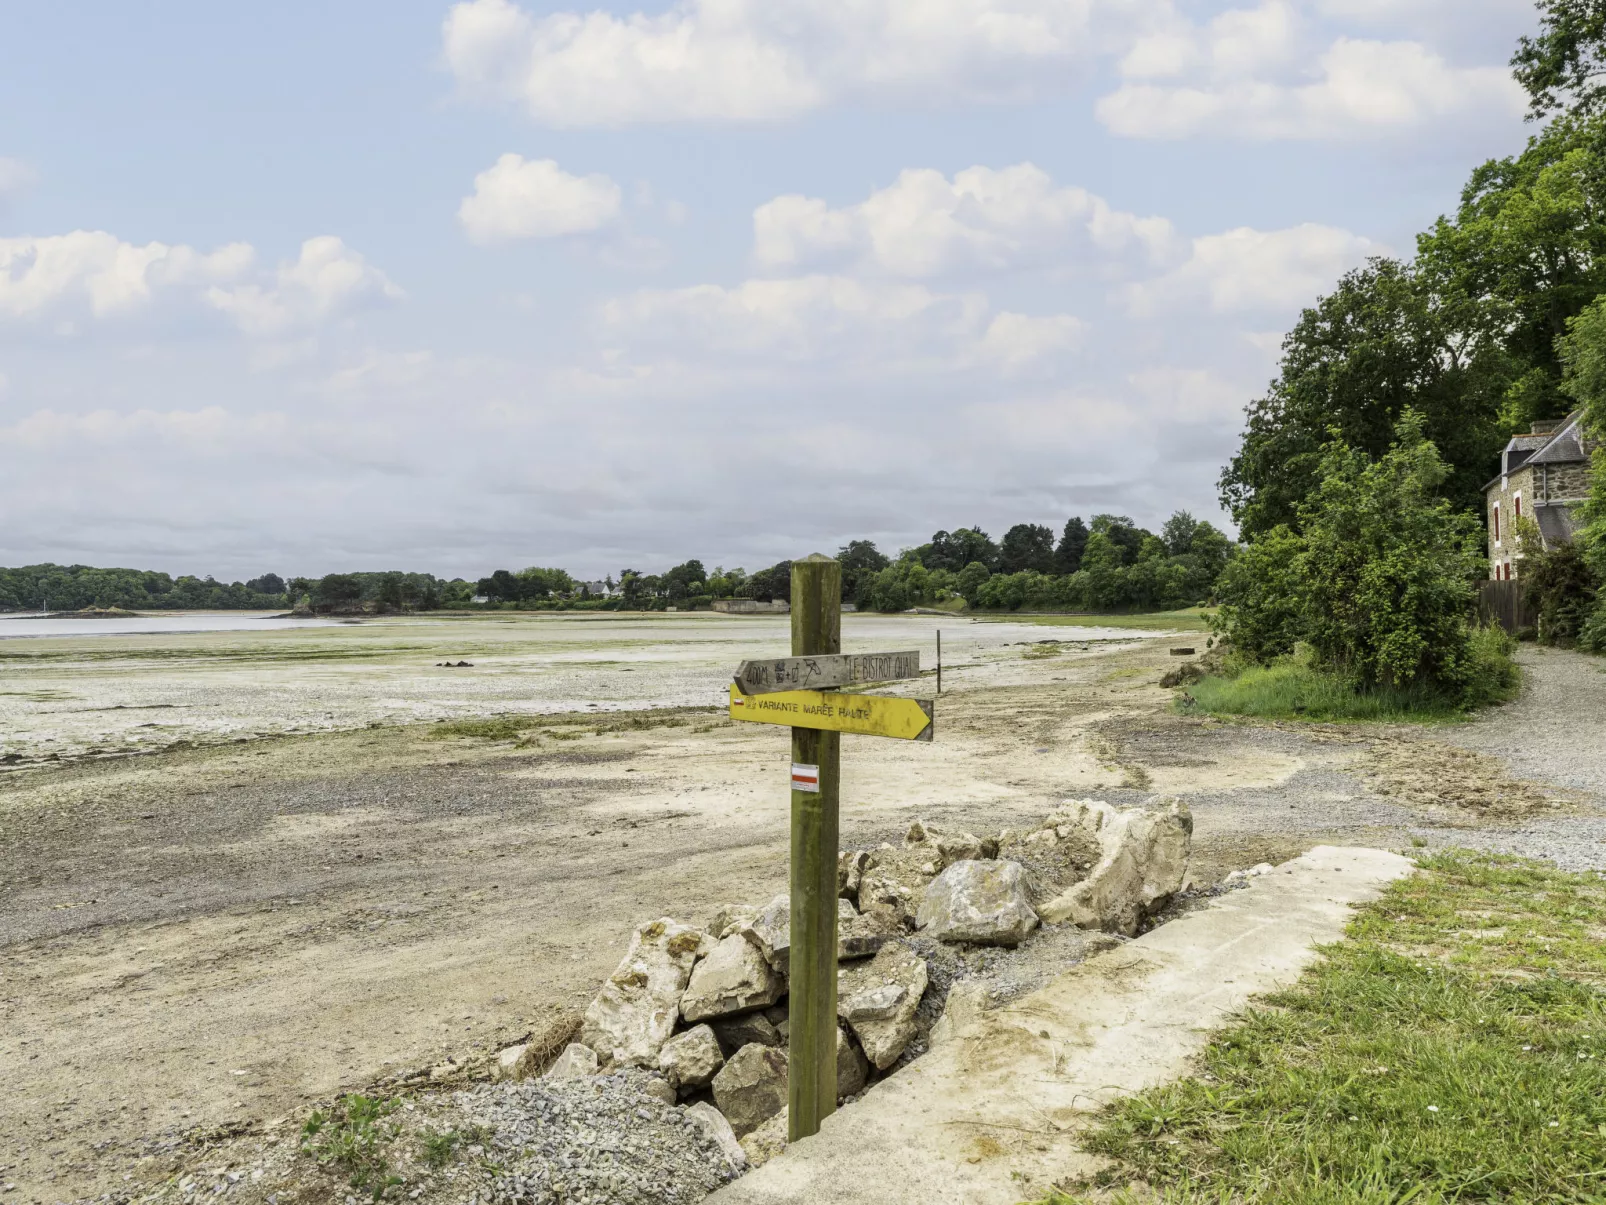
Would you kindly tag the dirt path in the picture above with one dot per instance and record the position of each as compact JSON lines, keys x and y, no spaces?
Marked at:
{"x":210,"y":938}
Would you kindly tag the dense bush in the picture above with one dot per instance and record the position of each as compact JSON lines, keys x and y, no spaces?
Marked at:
{"x":1378,"y":583}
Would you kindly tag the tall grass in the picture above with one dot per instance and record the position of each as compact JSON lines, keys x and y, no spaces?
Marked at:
{"x":1293,"y":689}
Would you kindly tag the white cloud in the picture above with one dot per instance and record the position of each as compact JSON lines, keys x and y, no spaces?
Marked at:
{"x":327,"y":280}
{"x":1247,"y":270}
{"x":518,"y":198}
{"x":15,"y":176}
{"x":92,"y":268}
{"x":1017,"y":341}
{"x":925,"y":225}
{"x":833,"y":323}
{"x":1359,"y":88}
{"x":757,"y":60}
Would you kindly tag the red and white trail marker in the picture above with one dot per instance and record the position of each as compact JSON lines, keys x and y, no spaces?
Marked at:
{"x":805,"y":778}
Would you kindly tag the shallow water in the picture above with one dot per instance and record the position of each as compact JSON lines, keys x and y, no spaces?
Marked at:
{"x":180,"y":621}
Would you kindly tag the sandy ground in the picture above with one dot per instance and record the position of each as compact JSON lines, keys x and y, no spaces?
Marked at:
{"x":203,"y":938}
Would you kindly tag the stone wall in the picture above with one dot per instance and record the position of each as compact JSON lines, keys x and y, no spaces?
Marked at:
{"x":1502,"y":551}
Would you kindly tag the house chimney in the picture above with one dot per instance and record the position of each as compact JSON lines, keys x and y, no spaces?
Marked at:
{"x":1546,"y":426}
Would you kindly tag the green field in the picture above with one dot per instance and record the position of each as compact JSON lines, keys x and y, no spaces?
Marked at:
{"x":1189,"y":619}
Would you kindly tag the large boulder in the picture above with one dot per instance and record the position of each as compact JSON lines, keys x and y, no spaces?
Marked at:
{"x":751,"y":1087}
{"x":734,"y":978}
{"x":690,"y":1059}
{"x":878,"y":999}
{"x":981,"y":902}
{"x":635,"y":1012}
{"x":771,"y":931}
{"x":1143,"y":860}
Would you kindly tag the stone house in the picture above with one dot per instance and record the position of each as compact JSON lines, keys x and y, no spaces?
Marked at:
{"x":1544,"y":476}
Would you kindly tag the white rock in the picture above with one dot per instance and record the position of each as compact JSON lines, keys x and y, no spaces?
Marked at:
{"x":635,"y":1012}
{"x":507,"y":1062}
{"x":713,"y":1123}
{"x":660,"y":1090}
{"x":734,"y":978}
{"x":771,"y":931}
{"x":730,"y":919}
{"x":883,"y":1038}
{"x":689,"y":1060}
{"x":1143,"y":860}
{"x":576,"y":1062}
{"x":873,"y":1003}
{"x":982,"y":902}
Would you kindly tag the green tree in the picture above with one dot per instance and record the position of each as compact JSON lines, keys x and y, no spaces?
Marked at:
{"x":1068,"y":555}
{"x":1355,"y":361}
{"x":336,"y":591}
{"x":1263,"y":602}
{"x":956,"y":549}
{"x":1124,"y":534}
{"x":1563,"y":66}
{"x":1027,"y":546}
{"x":861,"y":560}
{"x":1389,"y":566}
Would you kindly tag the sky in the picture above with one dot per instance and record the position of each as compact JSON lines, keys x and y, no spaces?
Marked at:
{"x":449,"y":287}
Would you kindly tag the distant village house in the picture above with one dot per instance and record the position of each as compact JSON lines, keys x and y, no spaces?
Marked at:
{"x":1544,"y":476}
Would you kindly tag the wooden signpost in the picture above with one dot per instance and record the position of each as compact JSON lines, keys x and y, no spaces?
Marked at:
{"x":767,"y":692}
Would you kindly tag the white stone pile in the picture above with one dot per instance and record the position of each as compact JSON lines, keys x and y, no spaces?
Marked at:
{"x":703,"y":1008}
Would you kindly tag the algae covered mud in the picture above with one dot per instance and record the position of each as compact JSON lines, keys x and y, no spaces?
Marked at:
{"x":109,"y":688}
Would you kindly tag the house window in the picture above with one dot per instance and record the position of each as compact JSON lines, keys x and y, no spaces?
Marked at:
{"x":1516,"y":505}
{"x":1497,"y":525}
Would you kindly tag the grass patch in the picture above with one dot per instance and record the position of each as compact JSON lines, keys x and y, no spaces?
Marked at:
{"x":1189,"y":619}
{"x":353,"y":1136}
{"x":1290,"y":691}
{"x":1452,"y":1049}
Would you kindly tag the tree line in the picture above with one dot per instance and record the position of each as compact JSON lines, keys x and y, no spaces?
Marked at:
{"x":1108,"y":564}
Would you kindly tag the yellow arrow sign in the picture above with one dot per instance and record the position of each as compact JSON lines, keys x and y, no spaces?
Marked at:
{"x":867,"y":715}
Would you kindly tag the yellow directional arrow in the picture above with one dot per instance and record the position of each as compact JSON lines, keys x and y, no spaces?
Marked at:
{"x":867,"y":715}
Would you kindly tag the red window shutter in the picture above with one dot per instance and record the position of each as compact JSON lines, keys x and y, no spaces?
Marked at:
{"x":1497,"y":520}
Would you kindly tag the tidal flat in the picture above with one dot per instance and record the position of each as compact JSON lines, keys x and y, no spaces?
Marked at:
{"x":104,"y":692}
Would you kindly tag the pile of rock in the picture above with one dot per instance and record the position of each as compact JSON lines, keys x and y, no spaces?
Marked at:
{"x":703,"y":1010}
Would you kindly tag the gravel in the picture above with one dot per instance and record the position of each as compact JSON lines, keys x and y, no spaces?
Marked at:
{"x":602,"y":1139}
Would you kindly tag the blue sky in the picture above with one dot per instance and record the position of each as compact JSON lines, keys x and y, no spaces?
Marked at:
{"x":452,"y":287}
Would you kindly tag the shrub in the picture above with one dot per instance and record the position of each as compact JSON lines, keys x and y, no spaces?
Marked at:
{"x":1558,"y":584}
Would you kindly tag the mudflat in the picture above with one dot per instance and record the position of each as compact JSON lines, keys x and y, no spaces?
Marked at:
{"x":200,"y":938}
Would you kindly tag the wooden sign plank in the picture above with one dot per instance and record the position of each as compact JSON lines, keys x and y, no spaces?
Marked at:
{"x":865,"y":715}
{"x":825,"y":672}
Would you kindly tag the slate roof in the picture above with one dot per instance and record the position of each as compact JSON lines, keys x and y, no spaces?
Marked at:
{"x":1553,"y":526}
{"x":1564,"y":449}
{"x":1559,"y":446}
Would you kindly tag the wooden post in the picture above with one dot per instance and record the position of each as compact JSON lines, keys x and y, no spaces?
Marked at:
{"x":939,"y":661}
{"x":816,"y":629}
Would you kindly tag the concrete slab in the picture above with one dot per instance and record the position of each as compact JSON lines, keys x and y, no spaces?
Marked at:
{"x":991,"y":1116}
